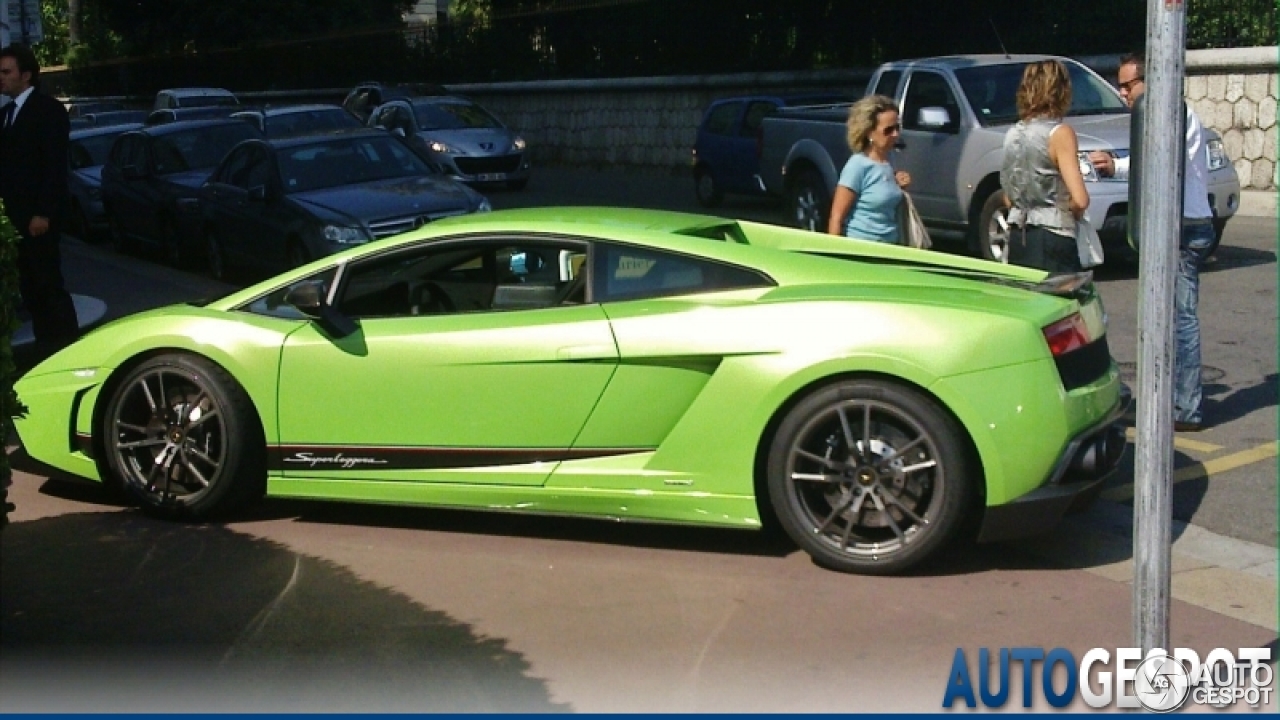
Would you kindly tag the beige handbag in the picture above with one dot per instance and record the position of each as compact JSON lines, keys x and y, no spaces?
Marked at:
{"x":912,"y":231}
{"x":1088,"y":244}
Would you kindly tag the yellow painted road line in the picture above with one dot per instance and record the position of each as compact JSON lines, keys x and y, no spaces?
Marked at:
{"x":1181,"y":442}
{"x":1208,"y":468}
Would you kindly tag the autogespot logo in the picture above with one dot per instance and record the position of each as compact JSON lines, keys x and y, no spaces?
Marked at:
{"x":1162,"y":684}
{"x":1159,"y":682}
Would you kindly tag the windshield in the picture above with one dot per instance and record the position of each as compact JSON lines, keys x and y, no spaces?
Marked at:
{"x":453,"y":116}
{"x":992,"y":92}
{"x":198,"y":148}
{"x":347,"y":162}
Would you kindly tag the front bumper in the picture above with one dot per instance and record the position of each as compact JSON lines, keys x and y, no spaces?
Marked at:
{"x":1088,"y":460}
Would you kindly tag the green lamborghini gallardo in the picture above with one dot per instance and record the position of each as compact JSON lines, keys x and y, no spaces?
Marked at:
{"x":876,"y":402}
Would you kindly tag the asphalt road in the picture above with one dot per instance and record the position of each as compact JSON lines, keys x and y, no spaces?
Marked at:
{"x":318,"y":607}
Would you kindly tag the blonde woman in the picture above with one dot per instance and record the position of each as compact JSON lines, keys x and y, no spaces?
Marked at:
{"x":868,"y":193}
{"x":1041,"y":173}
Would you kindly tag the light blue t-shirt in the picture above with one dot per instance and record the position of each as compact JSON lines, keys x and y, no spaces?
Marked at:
{"x":875,"y":212}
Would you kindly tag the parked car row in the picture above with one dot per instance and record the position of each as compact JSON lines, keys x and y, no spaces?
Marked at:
{"x":207,"y":181}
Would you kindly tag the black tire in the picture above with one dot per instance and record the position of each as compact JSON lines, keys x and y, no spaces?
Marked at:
{"x":182,"y":439}
{"x":810,"y":201}
{"x":991,"y":238}
{"x":171,"y":243}
{"x":1219,"y":227}
{"x":215,"y":257}
{"x":296,"y":255}
{"x":706,"y":189}
{"x":117,"y":239}
{"x":843,"y":493}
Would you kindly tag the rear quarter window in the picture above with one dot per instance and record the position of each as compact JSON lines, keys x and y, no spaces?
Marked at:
{"x":630,"y":273}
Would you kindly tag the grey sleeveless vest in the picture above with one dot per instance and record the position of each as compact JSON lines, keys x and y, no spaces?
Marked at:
{"x":1032,"y":181}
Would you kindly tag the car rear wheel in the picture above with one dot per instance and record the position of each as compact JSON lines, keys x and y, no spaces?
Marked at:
{"x":993,"y":229}
{"x":810,"y":203}
{"x":869,"y":477}
{"x":706,"y":188}
{"x":117,"y":238}
{"x":182,"y":438}
{"x":215,"y":258}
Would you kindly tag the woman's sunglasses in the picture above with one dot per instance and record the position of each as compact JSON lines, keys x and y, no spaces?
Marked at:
{"x":890,"y":130}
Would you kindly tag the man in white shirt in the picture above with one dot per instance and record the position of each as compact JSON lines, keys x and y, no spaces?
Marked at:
{"x":1196,"y":238}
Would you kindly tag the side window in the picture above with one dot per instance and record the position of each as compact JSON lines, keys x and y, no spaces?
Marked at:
{"x":722,"y":118}
{"x":258,"y":173}
{"x":137,"y":155}
{"x":120,"y":151}
{"x":757,"y":111}
{"x":485,"y":276}
{"x":888,"y":83}
{"x":382,"y":117}
{"x":235,"y":170}
{"x":929,"y":90}
{"x":400,"y":120}
{"x":625,"y":272}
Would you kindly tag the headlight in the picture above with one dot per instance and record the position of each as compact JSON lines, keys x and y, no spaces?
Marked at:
{"x":1217,"y":154}
{"x":518,"y":143}
{"x":438,"y":147}
{"x":485,"y":205}
{"x":1086,"y":168}
{"x":341,"y":235}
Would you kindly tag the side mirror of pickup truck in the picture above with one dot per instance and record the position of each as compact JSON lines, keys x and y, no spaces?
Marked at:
{"x":934,"y":118}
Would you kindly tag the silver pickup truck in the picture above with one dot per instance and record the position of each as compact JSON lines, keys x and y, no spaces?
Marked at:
{"x":955,"y":111}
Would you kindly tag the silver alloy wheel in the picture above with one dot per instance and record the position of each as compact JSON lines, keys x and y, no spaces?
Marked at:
{"x":807,"y":210}
{"x":865,"y":478}
{"x":169,"y":437}
{"x":997,"y":232}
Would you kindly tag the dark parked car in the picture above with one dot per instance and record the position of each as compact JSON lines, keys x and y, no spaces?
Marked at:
{"x":151,"y":181}
{"x":291,"y":120}
{"x":463,"y":139}
{"x":364,"y":98}
{"x":276,"y":204}
{"x":726,"y":154}
{"x":87,"y":151}
{"x":77,"y":107}
{"x":203,"y":112}
{"x":114,"y":117}
{"x":189,"y":97}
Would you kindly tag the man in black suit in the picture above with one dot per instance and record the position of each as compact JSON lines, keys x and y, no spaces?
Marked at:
{"x":33,"y":183}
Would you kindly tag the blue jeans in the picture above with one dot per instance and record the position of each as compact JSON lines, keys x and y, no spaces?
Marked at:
{"x":1193,"y":248}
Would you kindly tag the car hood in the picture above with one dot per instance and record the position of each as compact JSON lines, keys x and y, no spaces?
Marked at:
{"x":472,"y":141}
{"x":1101,"y":132}
{"x":390,"y":198}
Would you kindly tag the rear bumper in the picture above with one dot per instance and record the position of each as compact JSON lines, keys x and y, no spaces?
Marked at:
{"x":1075,"y":481}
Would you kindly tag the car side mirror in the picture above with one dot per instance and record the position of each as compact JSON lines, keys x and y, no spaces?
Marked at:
{"x":934,"y":118}
{"x":311,"y":299}
{"x":399,"y":131}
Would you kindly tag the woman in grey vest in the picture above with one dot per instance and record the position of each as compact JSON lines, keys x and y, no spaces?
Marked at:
{"x":1041,"y":173}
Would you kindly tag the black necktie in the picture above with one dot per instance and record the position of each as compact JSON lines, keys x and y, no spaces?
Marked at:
{"x":9,"y":112}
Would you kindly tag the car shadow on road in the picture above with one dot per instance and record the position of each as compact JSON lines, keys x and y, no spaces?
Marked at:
{"x":119,"y":612}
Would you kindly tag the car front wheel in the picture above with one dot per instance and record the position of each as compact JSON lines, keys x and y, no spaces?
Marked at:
{"x":182,"y":438}
{"x":869,"y":477}
{"x":706,"y":189}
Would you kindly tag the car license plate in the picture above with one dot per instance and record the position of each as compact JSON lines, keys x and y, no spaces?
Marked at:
{"x":483,"y":177}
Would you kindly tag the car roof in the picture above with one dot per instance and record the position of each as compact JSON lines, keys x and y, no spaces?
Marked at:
{"x":956,"y":62}
{"x":328,"y":135}
{"x":440,"y":100}
{"x":180,"y":125}
{"x":289,"y":109}
{"x":195,"y":91}
{"x":96,"y":130}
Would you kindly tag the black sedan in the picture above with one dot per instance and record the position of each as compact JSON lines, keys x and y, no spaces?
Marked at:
{"x":276,"y":204}
{"x":291,"y":120}
{"x":151,"y":181}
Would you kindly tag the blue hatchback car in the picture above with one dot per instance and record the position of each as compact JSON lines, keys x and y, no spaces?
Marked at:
{"x":726,"y":154}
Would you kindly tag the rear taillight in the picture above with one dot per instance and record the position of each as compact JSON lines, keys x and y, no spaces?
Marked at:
{"x":1066,"y":335}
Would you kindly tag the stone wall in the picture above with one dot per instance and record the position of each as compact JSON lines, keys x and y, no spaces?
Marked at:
{"x":1235,"y":93}
{"x":651,"y":122}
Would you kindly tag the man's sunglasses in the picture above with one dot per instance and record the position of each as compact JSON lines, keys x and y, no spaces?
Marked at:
{"x":1127,"y":86}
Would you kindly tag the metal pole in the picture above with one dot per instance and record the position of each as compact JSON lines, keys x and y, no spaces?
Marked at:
{"x":1160,"y":222}
{"x":22,"y":12}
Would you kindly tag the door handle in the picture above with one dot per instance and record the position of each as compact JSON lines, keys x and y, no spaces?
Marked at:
{"x":587,"y":352}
